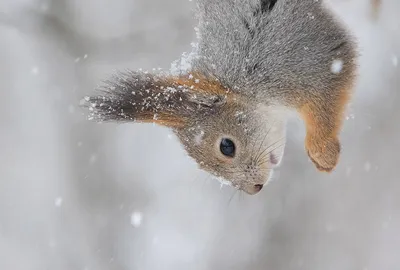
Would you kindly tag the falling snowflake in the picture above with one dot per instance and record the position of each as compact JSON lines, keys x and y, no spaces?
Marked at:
{"x":336,"y":66}
{"x":136,"y":219}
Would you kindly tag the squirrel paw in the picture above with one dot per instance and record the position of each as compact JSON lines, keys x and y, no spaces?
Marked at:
{"x":323,"y":152}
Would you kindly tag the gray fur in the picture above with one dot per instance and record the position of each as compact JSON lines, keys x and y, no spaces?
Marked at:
{"x":290,"y":47}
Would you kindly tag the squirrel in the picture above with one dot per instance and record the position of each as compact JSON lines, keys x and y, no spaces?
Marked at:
{"x":256,"y":61}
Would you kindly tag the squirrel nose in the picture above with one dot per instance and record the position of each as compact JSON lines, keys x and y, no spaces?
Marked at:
{"x":252,"y":189}
{"x":258,"y":187}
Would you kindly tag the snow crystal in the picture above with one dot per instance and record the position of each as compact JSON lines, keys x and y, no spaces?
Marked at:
{"x":199,"y":137}
{"x":197,"y":30}
{"x":224,"y":182}
{"x":80,"y":144}
{"x":77,"y":59}
{"x":170,"y":136}
{"x":184,"y":64}
{"x":85,"y":56}
{"x":197,"y":81}
{"x":238,"y":113}
{"x":336,"y":66}
{"x":351,"y":116}
{"x":136,"y":219}
{"x":58,"y":202}
{"x":171,"y":89}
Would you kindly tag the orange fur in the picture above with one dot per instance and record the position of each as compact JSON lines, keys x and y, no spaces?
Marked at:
{"x":323,"y":120}
{"x":202,"y":85}
{"x":163,"y":119}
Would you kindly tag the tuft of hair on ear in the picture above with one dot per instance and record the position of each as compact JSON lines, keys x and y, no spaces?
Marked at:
{"x":156,"y":98}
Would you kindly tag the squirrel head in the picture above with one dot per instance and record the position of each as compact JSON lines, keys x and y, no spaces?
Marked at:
{"x":227,"y":134}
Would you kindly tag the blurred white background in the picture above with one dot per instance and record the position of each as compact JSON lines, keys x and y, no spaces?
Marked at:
{"x":79,"y":195}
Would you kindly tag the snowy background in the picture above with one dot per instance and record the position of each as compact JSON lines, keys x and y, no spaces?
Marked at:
{"x":78,"y":195}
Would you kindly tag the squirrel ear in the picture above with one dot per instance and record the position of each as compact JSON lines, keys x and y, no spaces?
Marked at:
{"x":149,"y":98}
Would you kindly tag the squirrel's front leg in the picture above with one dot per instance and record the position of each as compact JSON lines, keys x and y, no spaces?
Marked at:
{"x":323,"y":116}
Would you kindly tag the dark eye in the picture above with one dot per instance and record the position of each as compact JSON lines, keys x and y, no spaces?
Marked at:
{"x":227,"y":147}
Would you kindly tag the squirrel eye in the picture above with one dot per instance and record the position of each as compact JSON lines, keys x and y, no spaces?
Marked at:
{"x":227,"y":147}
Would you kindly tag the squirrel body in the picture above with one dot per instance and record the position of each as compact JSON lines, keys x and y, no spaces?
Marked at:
{"x":254,"y":61}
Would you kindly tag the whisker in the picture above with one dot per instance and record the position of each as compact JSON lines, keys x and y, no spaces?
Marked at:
{"x":264,"y":159}
{"x":237,"y":169}
{"x":262,"y":143}
{"x":241,"y":192}
{"x":232,"y":196}
{"x":269,"y":146}
{"x":206,"y":179}
{"x":255,"y":140}
{"x":233,"y":170}
{"x":279,"y":140}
